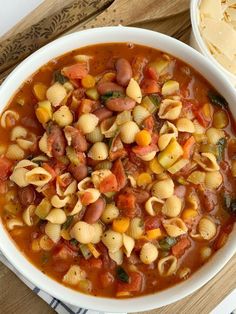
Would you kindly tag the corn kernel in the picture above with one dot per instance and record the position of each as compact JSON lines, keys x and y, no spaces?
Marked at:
{"x":88,"y":81}
{"x":189,"y":213}
{"x":144,"y":179}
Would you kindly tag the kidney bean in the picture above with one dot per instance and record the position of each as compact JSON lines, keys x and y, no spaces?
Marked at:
{"x":78,"y":140}
{"x":26,"y":195}
{"x":102,"y":113}
{"x":78,"y":172}
{"x":56,"y":140}
{"x":120,"y":104}
{"x":124,"y":72}
{"x":106,"y":87}
{"x":94,"y":211}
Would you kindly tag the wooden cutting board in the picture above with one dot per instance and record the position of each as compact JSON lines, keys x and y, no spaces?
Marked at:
{"x":57,"y":17}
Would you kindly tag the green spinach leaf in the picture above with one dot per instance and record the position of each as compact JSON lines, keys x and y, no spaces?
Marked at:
{"x":217,"y":99}
{"x":221,"y":144}
{"x":60,"y":78}
{"x":167,"y":243}
{"x":122,"y":274}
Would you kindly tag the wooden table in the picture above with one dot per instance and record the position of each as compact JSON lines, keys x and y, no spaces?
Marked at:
{"x":16,"y":298}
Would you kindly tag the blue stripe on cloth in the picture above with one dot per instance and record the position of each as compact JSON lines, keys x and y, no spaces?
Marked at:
{"x":66,"y":308}
{"x":36,"y":290}
{"x":80,"y":310}
{"x":54,"y":306}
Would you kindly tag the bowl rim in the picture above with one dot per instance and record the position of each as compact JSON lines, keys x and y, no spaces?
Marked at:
{"x":142,"y":303}
{"x":194,"y":8}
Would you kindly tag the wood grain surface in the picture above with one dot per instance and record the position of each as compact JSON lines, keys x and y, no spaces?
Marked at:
{"x":170,"y":17}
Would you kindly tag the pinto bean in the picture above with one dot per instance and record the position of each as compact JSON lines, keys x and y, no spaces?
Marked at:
{"x":78,"y":172}
{"x":102,"y":113}
{"x":26,"y":195}
{"x":78,"y":140}
{"x":56,"y":140}
{"x":106,"y":87}
{"x":124,"y":72}
{"x":120,"y":104}
{"x":94,"y":211}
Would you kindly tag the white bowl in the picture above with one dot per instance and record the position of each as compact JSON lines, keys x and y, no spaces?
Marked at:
{"x":147,"y":38}
{"x":197,"y":42}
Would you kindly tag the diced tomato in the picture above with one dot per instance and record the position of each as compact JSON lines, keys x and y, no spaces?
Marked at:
{"x":150,"y":86}
{"x":86,"y":198}
{"x":152,"y":222}
{"x":127,"y":203}
{"x":106,"y":279}
{"x":3,"y":187}
{"x":143,"y":150}
{"x":63,"y":252}
{"x":179,"y":248}
{"x":152,"y":73}
{"x":138,"y":65}
{"x":109,"y":184}
{"x":188,"y":147}
{"x":202,"y":118}
{"x":76,"y":71}
{"x":121,"y":153}
{"x":140,"y":194}
{"x":50,"y":170}
{"x":87,"y":105}
{"x":95,"y":263}
{"x":5,"y":168}
{"x":61,"y":266}
{"x":134,"y":284}
{"x":149,"y":123}
{"x":118,"y":170}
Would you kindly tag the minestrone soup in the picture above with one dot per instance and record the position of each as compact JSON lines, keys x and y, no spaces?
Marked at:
{"x":117,"y":170}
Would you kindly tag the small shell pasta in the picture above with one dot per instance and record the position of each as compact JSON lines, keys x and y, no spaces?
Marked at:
{"x":207,"y":161}
{"x":207,"y":228}
{"x":197,"y":177}
{"x":128,"y":132}
{"x":63,"y":116}
{"x":109,"y":127}
{"x":136,"y":228}
{"x":117,"y":256}
{"x":99,"y":151}
{"x":185,"y":125}
{"x":38,"y":176}
{"x":148,"y":156}
{"x":43,"y":145}
{"x":148,"y":253}
{"x":133,"y":91}
{"x":167,"y":266}
{"x":153,"y":205}
{"x":170,"y":109}
{"x":76,"y":209}
{"x":56,"y":93}
{"x":205,"y":253}
{"x":14,"y":152}
{"x":213,"y":179}
{"x":87,"y":122}
{"x":74,"y":275}
{"x":170,"y":87}
{"x":28,"y":214}
{"x":9,"y":114}
{"x":95,"y":136}
{"x":56,"y":216}
{"x":112,"y":240}
{"x":175,"y":227}
{"x":18,"y":132}
{"x":110,"y":213}
{"x":167,"y":132}
{"x":18,"y":176}
{"x":83,"y":232}
{"x":99,"y":175}
{"x":71,"y":188}
{"x":13,"y":223}
{"x":58,"y":202}
{"x":128,"y":243}
{"x":84,"y":184}
{"x":214,"y":135}
{"x":93,"y":195}
{"x":98,"y":230}
{"x":53,"y":231}
{"x":172,"y":206}
{"x":140,"y":113}
{"x":163,"y":189}
{"x":123,"y":117}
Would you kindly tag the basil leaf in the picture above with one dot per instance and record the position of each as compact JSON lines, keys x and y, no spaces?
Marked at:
{"x":221,"y":144}
{"x":58,"y":77}
{"x":110,"y":95}
{"x":68,"y":223}
{"x":122,"y":274}
{"x":155,"y":99}
{"x":230,"y":204}
{"x":74,"y":242}
{"x":217,"y":99}
{"x":166,"y":243}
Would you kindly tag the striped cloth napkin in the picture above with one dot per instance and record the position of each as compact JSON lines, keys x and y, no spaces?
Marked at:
{"x":57,"y":305}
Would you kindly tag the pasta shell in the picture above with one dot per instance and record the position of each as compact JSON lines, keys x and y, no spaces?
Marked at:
{"x":43,"y":145}
{"x":109,"y":127}
{"x":148,"y":253}
{"x":175,"y":227}
{"x":112,"y":240}
{"x":74,"y":275}
{"x":148,"y":156}
{"x":170,"y":109}
{"x":170,"y":87}
{"x":197,"y":177}
{"x":53,"y":231}
{"x":185,"y":125}
{"x":18,"y":132}
{"x":207,"y":228}
{"x":95,"y":136}
{"x":55,"y":94}
{"x":27,"y":215}
{"x":128,"y":132}
{"x":11,"y":113}
{"x":13,"y":223}
{"x":99,"y":151}
{"x":38,"y":176}
{"x":172,"y":206}
{"x":136,"y":228}
{"x":167,"y":132}
{"x":213,"y":179}
{"x":24,"y":144}
{"x":25,"y":163}
{"x":98,"y":231}
{"x":56,"y":216}
{"x":132,"y":181}
{"x":184,"y":273}
{"x":167,"y":266}
{"x":58,"y":202}
{"x":128,"y":243}
{"x":71,"y":188}
{"x":84,"y":184}
{"x":117,"y":256}
{"x":133,"y":91}
{"x":94,"y":194}
{"x":46,"y":243}
{"x":110,"y":213}
{"x":140,"y":113}
{"x":63,"y":116}
{"x":163,"y":189}
{"x":207,"y":161}
{"x":87,"y":122}
{"x":77,"y":208}
{"x":199,"y":129}
{"x":18,"y":176}
{"x":14,"y":152}
{"x":205,"y":253}
{"x":83,"y":232}
{"x":123,"y":117}
{"x":214,"y":135}
{"x":153,"y":205}
{"x":99,"y":175}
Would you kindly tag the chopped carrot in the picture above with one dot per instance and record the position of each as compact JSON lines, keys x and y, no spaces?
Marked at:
{"x":150,"y":86}
{"x":108,"y":184}
{"x":152,"y":73}
{"x":179,"y":248}
{"x":188,"y":147}
{"x":143,"y":150}
{"x":87,"y":106}
{"x":76,"y":71}
{"x":121,"y":224}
